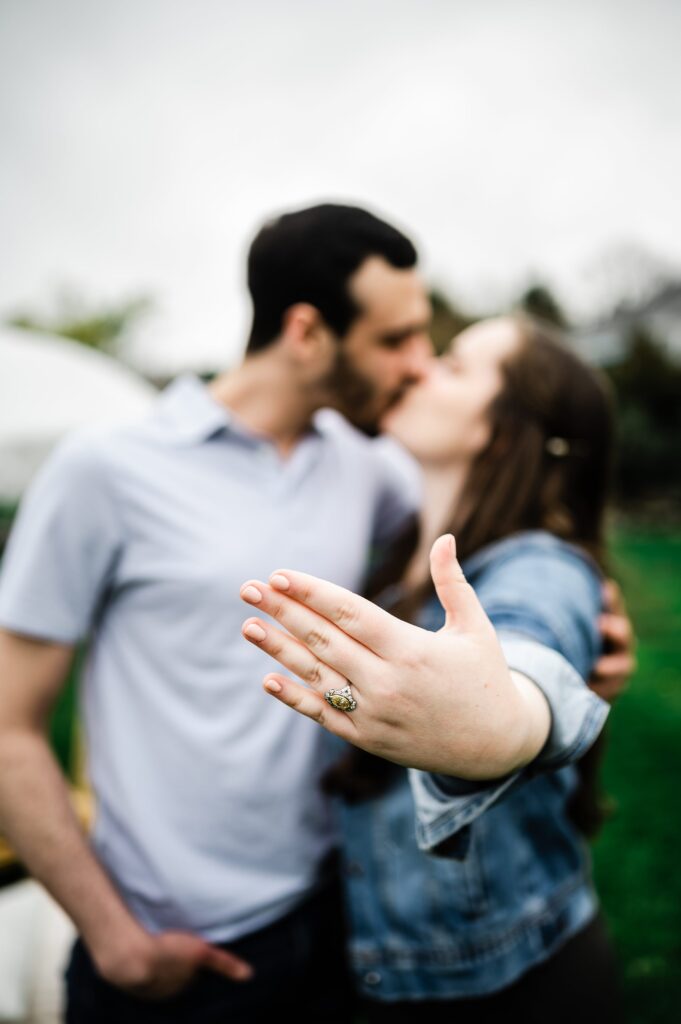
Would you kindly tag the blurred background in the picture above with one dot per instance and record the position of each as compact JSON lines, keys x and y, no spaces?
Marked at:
{"x":534,"y":153}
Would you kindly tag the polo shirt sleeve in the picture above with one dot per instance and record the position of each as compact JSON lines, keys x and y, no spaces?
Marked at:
{"x":63,"y":547}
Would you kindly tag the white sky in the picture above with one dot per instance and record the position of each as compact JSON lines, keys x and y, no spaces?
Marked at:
{"x":143,"y":141}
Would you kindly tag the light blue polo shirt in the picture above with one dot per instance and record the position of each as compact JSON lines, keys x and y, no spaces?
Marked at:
{"x":209,"y":814}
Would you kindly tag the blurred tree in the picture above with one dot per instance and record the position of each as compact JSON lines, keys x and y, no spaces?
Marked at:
{"x":540,"y":301}
{"x":448,"y":320}
{"x":103,"y":329}
{"x":624,"y":275}
{"x":647,"y":383}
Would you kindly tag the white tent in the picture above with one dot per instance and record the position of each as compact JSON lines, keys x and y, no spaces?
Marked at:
{"x":48,"y":386}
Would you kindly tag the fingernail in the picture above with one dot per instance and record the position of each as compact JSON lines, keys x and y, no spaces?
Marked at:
{"x":254,"y":632}
{"x":452,"y":545}
{"x":251,"y":594}
{"x":272,"y":686}
{"x":279,"y":581}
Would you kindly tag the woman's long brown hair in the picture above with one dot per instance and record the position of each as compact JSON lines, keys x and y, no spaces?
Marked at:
{"x":546,"y":467}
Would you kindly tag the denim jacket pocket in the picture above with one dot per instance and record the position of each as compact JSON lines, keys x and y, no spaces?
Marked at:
{"x":447,"y":892}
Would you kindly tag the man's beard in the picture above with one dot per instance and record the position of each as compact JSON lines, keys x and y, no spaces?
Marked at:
{"x":355,"y":396}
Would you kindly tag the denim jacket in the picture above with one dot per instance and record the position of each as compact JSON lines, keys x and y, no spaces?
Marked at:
{"x":512,"y":881}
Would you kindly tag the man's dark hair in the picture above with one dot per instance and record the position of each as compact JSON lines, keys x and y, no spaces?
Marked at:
{"x":308,"y":256}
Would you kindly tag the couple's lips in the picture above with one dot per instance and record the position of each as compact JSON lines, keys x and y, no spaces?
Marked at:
{"x":388,"y":412}
{"x":395,"y":405}
{"x":396,"y":400}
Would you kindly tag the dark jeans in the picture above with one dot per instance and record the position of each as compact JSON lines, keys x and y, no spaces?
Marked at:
{"x":300,"y":969}
{"x":577,"y":985}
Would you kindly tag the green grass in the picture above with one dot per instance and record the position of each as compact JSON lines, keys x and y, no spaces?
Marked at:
{"x":637,"y":856}
{"x":63,"y":724}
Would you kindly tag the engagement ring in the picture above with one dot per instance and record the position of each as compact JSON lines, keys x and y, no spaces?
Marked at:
{"x":341,"y":699}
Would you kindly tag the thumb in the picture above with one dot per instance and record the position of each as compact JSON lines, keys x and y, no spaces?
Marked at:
{"x":462,"y":608}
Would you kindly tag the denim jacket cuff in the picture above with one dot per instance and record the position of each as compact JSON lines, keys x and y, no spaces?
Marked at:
{"x":446,"y":805}
{"x":442,"y":817}
{"x":577,"y":713}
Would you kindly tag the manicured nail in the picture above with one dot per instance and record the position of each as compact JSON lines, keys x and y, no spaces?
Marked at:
{"x":254,"y":632}
{"x":272,"y":686}
{"x":251,"y":594}
{"x":279,"y":581}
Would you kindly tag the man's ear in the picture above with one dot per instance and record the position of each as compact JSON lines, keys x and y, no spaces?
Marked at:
{"x":304,"y":333}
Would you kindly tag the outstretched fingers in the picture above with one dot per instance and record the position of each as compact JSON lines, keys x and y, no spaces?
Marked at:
{"x":323,"y":638}
{"x":292,"y":654}
{"x":358,"y":618}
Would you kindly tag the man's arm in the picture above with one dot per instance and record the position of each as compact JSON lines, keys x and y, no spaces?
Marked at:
{"x":37,"y":819}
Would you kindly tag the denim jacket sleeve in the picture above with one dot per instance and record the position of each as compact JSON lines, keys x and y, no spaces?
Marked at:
{"x":543,"y":598}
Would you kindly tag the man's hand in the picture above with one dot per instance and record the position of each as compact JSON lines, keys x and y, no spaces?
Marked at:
{"x":160,"y":966}
{"x":443,"y":702}
{"x":611,"y":673}
{"x":37,"y":818}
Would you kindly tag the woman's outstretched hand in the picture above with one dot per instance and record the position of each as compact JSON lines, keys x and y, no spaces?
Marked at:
{"x":443,"y":702}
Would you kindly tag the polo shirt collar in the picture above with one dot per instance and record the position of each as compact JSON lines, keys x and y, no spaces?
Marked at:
{"x":187,"y":407}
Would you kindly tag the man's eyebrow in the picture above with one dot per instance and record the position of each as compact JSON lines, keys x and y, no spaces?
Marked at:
{"x":404,"y":332}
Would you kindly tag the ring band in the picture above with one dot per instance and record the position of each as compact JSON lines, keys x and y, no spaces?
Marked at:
{"x":341,"y":699}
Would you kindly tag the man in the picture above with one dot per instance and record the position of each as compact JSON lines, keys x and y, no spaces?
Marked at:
{"x":211,"y":846}
{"x":211,"y":830}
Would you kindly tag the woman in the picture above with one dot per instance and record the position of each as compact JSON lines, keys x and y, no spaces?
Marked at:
{"x":513,"y":435}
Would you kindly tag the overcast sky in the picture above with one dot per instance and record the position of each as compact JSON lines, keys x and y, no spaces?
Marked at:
{"x":143,"y":141}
